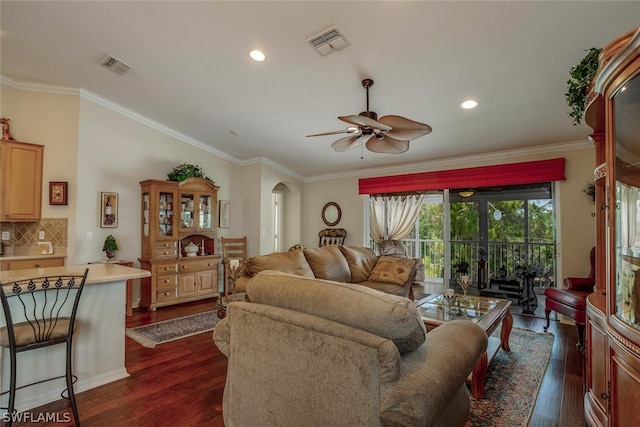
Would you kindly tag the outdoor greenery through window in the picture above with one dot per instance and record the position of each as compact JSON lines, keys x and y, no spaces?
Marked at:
{"x":502,"y":228}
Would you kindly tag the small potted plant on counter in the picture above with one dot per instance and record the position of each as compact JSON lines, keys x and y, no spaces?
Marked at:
{"x":110,"y":246}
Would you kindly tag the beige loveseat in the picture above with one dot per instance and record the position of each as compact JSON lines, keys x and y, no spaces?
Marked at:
{"x":346,"y":264}
{"x":309,"y":352}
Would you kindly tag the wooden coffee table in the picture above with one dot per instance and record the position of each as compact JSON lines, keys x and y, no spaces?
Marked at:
{"x":487,"y":312}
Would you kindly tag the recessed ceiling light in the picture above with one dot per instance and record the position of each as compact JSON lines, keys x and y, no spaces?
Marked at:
{"x":257,"y":55}
{"x":469,"y":103}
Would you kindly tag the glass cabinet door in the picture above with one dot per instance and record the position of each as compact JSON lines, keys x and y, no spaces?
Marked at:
{"x":626,"y":133}
{"x":165,"y":214}
{"x":205,"y":220}
{"x":187,"y":211}
{"x":145,"y":214}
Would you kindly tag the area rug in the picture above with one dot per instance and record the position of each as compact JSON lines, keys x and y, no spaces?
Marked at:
{"x":513,"y":380}
{"x":169,"y":330}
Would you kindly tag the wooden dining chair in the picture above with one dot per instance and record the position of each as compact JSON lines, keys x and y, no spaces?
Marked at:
{"x":40,"y":312}
{"x":232,"y":248}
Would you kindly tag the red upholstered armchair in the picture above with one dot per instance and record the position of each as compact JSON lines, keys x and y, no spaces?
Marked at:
{"x":572,"y":301}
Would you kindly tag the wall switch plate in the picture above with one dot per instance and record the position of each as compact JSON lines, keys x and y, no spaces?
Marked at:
{"x":89,"y":235}
{"x":6,"y":235}
{"x":40,"y":235}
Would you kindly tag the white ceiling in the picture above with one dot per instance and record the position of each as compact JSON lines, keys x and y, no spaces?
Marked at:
{"x":192,"y":74}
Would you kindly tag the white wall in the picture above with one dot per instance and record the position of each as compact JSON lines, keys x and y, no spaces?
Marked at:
{"x":115,"y":153}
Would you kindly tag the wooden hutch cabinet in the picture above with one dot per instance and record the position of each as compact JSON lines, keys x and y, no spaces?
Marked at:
{"x":173,"y":216}
{"x":613,"y":312}
{"x":20,"y":181}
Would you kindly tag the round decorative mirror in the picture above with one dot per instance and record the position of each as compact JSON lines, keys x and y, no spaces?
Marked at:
{"x":331,"y":214}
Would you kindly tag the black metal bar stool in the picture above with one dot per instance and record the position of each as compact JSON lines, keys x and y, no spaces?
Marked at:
{"x":40,"y":312}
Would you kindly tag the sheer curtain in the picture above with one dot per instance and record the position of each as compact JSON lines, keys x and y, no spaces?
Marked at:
{"x":392,"y":217}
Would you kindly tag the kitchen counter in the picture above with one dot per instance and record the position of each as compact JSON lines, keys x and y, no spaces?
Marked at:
{"x":98,"y":345}
{"x":98,"y":273}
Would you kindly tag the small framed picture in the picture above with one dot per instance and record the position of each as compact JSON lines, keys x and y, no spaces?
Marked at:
{"x":224,"y":214}
{"x":57,"y":193}
{"x":109,"y":210}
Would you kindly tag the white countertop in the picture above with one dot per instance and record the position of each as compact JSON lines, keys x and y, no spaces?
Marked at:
{"x":98,"y":273}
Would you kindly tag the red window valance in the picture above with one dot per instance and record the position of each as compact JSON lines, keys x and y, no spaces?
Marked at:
{"x":477,"y":177}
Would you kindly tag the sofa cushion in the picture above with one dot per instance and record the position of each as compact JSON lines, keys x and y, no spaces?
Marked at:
{"x":361,"y":261}
{"x":292,"y":262}
{"x":393,"y":270}
{"x":388,"y":316}
{"x":328,"y":263}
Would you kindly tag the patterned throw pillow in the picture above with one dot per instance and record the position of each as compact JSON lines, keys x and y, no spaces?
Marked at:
{"x":393,"y":270}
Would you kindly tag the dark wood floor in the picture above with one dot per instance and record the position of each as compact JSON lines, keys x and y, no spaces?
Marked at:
{"x":181,"y":383}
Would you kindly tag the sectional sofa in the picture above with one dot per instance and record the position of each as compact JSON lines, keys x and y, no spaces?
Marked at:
{"x":345,"y":264}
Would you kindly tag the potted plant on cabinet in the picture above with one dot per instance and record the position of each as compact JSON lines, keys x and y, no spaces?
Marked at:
{"x":187,"y":170}
{"x":582,"y":75}
{"x":110,"y":246}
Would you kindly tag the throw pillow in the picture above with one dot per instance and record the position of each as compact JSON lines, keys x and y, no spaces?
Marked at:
{"x":292,"y":262}
{"x":393,"y":270}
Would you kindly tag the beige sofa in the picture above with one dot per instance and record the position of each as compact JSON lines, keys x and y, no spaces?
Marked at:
{"x":346,"y":264}
{"x":309,"y":352}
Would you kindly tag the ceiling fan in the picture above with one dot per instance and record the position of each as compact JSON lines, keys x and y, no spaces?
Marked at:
{"x":390,"y":134}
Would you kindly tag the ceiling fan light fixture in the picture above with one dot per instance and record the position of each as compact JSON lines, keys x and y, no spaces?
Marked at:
{"x":466,"y":193}
{"x":389,"y":135}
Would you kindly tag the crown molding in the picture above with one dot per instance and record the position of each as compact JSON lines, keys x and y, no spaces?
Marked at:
{"x":97,"y":99}
{"x":265,"y":161}
{"x":452,"y":163}
{"x":40,"y":87}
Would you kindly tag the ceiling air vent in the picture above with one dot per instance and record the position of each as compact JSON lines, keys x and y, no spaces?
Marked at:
{"x":115,"y":65}
{"x":328,"y":41}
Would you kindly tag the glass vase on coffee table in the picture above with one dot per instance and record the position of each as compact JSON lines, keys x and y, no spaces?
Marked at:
{"x":464,"y":282}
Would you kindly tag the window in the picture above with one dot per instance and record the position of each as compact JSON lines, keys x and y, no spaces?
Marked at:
{"x":504,"y":226}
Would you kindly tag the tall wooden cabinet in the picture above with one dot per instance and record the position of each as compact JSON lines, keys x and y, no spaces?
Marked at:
{"x":20,"y":181}
{"x":174,"y":215}
{"x":612,"y":395}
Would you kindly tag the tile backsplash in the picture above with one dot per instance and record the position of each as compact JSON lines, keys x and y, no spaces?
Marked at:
{"x":26,"y":233}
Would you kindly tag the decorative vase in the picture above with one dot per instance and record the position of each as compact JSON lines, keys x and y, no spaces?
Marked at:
{"x":110,"y":254}
{"x":191,"y":249}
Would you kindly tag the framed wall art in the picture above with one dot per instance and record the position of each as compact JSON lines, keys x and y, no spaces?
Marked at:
{"x":109,"y":210}
{"x":58,"y":193}
{"x":224,"y":214}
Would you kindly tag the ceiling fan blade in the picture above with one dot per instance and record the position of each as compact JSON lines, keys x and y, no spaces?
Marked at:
{"x":365,"y":122}
{"x":387,"y":145}
{"x":403,"y":128}
{"x":335,"y":132}
{"x":347,"y":143}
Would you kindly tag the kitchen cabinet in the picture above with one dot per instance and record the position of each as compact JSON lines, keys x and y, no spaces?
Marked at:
{"x":20,"y":181}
